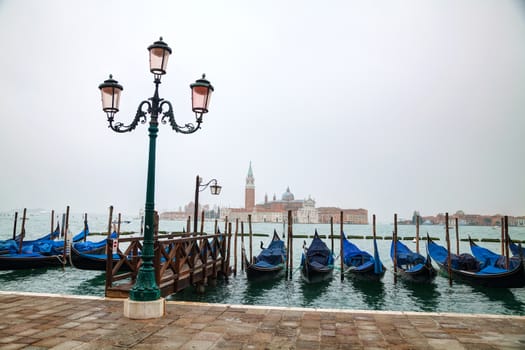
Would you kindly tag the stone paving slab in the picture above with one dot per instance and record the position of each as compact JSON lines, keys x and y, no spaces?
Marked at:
{"x":38,"y":321}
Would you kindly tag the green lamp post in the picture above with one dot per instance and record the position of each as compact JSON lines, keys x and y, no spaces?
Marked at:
{"x":145,"y":288}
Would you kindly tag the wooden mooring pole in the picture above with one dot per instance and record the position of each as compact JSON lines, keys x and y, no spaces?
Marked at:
{"x":287,"y":266}
{"x":417,"y":233}
{"x":64,"y":255}
{"x":502,"y":236}
{"x":251,"y":239}
{"x":229,"y":232}
{"x":449,"y":258}
{"x":52,"y":221}
{"x":332,"y":232}
{"x":202,"y":222}
{"x":118,"y":224}
{"x":507,"y":242}
{"x":235,"y":247}
{"x":457,"y":235}
{"x":85,"y":226}
{"x":14,"y":225}
{"x":341,"y":252}
{"x":110,"y":219}
{"x":290,"y":237}
{"x":243,"y":251}
{"x":23,"y":231}
{"x":394,"y":242}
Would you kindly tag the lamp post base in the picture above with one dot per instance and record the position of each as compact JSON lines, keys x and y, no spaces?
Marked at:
{"x":142,"y":310}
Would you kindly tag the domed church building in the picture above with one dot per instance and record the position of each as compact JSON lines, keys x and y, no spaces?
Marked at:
{"x":276,"y":210}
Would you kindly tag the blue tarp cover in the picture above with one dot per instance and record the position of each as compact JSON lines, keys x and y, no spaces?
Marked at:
{"x":352,"y":255}
{"x":88,"y":245}
{"x":273,"y":255}
{"x":490,"y":270}
{"x":80,"y":236}
{"x":485,"y":256}
{"x":459,"y":262}
{"x":488,"y":258}
{"x":515,"y":249}
{"x":405,"y":256}
{"x":264,"y":264}
{"x":416,"y":268}
{"x":319,"y":253}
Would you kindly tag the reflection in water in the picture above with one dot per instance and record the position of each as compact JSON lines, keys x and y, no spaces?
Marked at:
{"x":372,"y":292}
{"x":504,"y":296}
{"x":312,"y":293}
{"x":212,"y":294}
{"x":91,"y":286}
{"x":257,"y":291}
{"x":16,"y":275}
{"x":425,"y":295}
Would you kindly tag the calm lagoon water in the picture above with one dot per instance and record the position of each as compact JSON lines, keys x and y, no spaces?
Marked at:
{"x":347,"y":294}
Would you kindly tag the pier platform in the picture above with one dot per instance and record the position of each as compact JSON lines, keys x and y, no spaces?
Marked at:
{"x":42,"y":321}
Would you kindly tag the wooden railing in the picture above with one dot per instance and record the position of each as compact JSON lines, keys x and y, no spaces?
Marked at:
{"x":179,"y":261}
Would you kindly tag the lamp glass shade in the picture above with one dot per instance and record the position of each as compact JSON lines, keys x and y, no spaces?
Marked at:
{"x":158,"y":60}
{"x":200,"y":95}
{"x":215,"y":189}
{"x":110,"y":90}
{"x":159,"y":52}
{"x":200,"y":99}
{"x":110,"y":99}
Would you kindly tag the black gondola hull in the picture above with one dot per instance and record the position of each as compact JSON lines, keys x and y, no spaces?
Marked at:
{"x":511,"y":279}
{"x":316,"y":275}
{"x":256,"y":273}
{"x":367,"y":274}
{"x":424,"y":275}
{"x":9,"y":262}
{"x":90,"y":261}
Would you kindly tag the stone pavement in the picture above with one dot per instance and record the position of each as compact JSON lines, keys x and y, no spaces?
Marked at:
{"x":37,"y":321}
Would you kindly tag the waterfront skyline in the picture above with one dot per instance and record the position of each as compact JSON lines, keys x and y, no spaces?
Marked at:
{"x":393,"y":107}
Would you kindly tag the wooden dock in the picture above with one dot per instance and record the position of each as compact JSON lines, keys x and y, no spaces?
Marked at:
{"x":179,"y":261}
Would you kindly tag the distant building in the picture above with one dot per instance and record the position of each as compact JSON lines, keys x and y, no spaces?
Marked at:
{"x":189,"y":211}
{"x":276,"y":210}
{"x":472,"y":219}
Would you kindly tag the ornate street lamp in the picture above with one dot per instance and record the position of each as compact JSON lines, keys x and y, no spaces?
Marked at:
{"x":145,"y":288}
{"x":215,"y":189}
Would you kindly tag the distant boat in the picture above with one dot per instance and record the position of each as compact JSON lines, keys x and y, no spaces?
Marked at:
{"x":115,"y":222}
{"x":270,"y":263}
{"x":317,"y":261}
{"x":360,"y":263}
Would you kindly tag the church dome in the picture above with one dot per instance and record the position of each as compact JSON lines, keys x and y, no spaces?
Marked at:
{"x":287,"y":196}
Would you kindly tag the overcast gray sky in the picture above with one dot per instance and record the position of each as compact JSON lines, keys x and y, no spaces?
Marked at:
{"x":392,"y":106}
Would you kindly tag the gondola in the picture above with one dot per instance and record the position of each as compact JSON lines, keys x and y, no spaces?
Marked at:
{"x":92,"y":255}
{"x":360,"y":263}
{"x":488,"y":258}
{"x":13,"y":245}
{"x":39,"y":253}
{"x":467,"y":268}
{"x":22,"y":261}
{"x":317,"y":261}
{"x":270,"y":263}
{"x":411,"y":266}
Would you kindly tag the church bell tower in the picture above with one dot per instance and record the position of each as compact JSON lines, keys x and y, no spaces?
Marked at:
{"x":249,"y":192}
